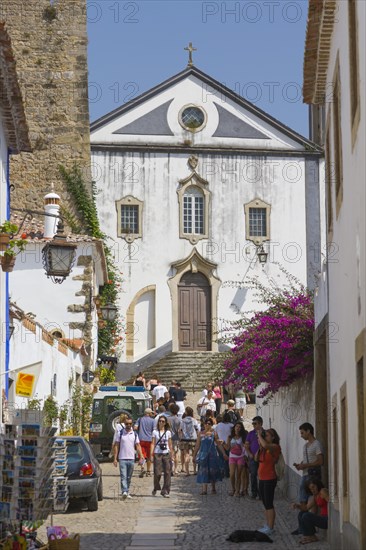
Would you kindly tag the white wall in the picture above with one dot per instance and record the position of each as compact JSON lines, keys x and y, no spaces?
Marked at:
{"x":3,"y":217}
{"x":147,"y":261}
{"x":30,"y":353}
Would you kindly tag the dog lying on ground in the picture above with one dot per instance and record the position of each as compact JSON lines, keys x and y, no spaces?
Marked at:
{"x":248,"y":536}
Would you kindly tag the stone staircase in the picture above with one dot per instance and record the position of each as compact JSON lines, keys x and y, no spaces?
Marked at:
{"x":192,"y":369}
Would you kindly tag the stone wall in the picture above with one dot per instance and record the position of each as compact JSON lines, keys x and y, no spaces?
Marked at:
{"x":49,"y":41}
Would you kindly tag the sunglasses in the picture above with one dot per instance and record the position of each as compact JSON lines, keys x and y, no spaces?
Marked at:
{"x":162,"y":421}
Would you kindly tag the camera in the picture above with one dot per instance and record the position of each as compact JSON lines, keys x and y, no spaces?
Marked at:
{"x":163,"y":446}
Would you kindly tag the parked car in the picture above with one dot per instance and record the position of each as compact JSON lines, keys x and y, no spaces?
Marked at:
{"x":84,"y":474}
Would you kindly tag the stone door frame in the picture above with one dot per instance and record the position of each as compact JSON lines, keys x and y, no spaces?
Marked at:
{"x":197,"y":264}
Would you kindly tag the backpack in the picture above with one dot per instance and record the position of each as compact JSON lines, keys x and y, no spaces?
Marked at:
{"x":188,"y":429}
{"x":280,"y":467}
{"x":175,"y":423}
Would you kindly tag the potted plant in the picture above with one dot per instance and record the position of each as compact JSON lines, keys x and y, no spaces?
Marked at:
{"x":7,"y":230}
{"x":15,"y":246}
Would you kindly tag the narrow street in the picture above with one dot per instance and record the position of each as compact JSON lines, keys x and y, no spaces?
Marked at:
{"x":187,"y":520}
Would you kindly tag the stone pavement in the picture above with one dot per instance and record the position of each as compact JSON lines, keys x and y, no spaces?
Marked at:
{"x":187,"y":521}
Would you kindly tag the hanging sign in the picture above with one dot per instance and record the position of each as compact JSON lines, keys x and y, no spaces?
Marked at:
{"x":24,"y":384}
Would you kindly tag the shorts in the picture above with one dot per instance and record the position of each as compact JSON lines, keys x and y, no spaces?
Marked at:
{"x":239,"y":460}
{"x":240,"y":402}
{"x":175,"y":445}
{"x":187,"y":445}
{"x":145,"y":448}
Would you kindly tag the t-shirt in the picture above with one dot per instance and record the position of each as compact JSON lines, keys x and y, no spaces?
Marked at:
{"x":189,"y":428}
{"x":159,"y":391}
{"x":175,"y":423}
{"x":207,"y":404}
{"x":127,"y":440}
{"x":163,"y":439}
{"x":178,"y":394}
{"x":253,"y":440}
{"x":223,"y":430}
{"x":267,"y":461}
{"x":310,"y":453}
{"x":240,"y":393}
{"x":145,"y":428}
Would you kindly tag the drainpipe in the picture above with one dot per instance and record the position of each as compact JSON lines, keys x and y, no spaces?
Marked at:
{"x":7,"y":315}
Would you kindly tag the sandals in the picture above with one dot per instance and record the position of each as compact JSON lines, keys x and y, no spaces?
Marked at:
{"x":213,"y":492}
{"x":231,"y":493}
{"x":308,"y":540}
{"x":203,"y":493}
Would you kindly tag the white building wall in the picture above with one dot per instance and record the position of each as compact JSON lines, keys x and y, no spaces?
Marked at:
{"x":346,"y":261}
{"x":30,"y":353}
{"x":232,"y":181}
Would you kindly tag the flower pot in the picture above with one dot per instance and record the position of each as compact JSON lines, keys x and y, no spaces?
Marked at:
{"x":4,"y":241}
{"x":7,"y":263}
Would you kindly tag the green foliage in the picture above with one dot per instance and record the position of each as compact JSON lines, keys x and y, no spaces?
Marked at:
{"x":63,"y":416}
{"x":9,"y":227}
{"x":81,"y":402}
{"x":15,"y":247}
{"x":34,"y":404}
{"x":83,"y":200}
{"x":110,"y":332}
{"x":50,"y":411}
{"x":106,"y":375}
{"x":49,"y":14}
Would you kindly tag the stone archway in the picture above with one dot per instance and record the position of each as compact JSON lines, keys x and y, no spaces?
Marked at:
{"x":131,"y":325}
{"x":195,"y":264}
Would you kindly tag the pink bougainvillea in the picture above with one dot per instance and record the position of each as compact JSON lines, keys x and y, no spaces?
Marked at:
{"x":275,"y":346}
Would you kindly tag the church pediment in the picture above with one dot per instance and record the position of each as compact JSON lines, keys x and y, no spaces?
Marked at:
{"x":193,"y":110}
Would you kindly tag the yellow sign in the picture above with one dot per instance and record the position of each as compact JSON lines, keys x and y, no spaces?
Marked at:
{"x":24,"y":384}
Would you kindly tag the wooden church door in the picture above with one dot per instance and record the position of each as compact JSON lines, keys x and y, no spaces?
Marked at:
{"x":194,"y":310}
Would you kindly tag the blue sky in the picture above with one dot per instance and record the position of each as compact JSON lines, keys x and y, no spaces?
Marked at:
{"x":254,"y":47}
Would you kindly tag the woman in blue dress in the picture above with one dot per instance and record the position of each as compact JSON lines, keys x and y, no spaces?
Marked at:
{"x":209,"y":467}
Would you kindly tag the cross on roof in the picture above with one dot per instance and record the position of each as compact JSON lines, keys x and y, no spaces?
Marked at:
{"x":190,"y":49}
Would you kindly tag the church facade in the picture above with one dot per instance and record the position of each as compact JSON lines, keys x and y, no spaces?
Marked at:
{"x":198,"y":189}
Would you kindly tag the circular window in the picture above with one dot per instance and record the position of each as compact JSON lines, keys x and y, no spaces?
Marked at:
{"x":192,"y":118}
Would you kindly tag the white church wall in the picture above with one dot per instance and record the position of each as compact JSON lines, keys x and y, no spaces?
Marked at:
{"x":233,"y":181}
{"x":3,"y":217}
{"x":144,"y":333}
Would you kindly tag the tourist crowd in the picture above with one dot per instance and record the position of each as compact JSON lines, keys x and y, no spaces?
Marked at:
{"x":169,"y":440}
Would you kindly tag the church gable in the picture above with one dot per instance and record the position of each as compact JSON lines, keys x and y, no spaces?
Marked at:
{"x":191,"y":109}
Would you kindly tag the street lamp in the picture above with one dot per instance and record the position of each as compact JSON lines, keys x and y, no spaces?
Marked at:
{"x":58,"y":256}
{"x":109,"y":312}
{"x":262,"y":255}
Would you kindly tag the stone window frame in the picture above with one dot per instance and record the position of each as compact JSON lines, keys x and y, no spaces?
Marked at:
{"x":129,"y":200}
{"x":198,"y":182}
{"x":257,"y":203}
{"x":354,"y":69}
{"x":192,"y":130}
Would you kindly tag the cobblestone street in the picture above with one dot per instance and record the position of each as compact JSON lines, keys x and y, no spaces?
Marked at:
{"x":188,"y":520}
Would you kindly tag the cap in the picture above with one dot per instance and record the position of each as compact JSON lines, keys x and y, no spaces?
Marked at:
{"x":148,"y":410}
{"x":231,"y":402}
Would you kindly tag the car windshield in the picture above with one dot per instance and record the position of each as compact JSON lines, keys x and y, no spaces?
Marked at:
{"x":75,"y":451}
{"x":113,"y":404}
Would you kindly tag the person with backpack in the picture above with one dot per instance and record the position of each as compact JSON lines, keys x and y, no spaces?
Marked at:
{"x":174,"y":422}
{"x":126,"y":442}
{"x":189,"y":428}
{"x":144,"y":427}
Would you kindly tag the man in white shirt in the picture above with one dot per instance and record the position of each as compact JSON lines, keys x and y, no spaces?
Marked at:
{"x":206,"y":403}
{"x":126,"y":441}
{"x":159,"y":391}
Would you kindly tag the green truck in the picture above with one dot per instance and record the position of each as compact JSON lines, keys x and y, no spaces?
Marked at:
{"x":108,"y":404}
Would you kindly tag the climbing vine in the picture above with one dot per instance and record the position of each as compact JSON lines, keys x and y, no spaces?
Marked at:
{"x":86,"y":221}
